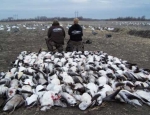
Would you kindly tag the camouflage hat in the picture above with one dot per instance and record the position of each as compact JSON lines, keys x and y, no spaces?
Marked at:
{"x":55,"y":21}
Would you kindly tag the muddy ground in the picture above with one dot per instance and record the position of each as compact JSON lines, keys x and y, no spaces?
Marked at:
{"x":131,"y":48}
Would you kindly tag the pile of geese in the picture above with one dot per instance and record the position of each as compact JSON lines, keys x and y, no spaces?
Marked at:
{"x":83,"y":79}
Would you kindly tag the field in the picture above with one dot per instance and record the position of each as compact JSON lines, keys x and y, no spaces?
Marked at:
{"x":134,"y":49}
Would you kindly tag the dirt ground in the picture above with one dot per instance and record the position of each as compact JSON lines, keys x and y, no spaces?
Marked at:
{"x":126,"y":47}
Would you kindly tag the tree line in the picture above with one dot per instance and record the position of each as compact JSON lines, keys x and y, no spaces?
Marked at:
{"x":44,"y":18}
{"x":129,"y":18}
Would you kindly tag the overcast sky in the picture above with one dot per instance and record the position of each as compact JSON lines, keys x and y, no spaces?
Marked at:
{"x":100,"y":9}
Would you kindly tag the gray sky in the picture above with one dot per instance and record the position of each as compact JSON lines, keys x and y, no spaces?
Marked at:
{"x":100,"y":9}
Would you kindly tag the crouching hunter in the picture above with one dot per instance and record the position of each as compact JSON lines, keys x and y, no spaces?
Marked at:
{"x":56,"y":35}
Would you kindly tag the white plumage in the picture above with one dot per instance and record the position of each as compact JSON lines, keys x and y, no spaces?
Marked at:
{"x":86,"y":77}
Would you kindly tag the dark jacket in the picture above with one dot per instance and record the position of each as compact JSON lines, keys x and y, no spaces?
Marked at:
{"x":75,"y":32}
{"x":56,"y":34}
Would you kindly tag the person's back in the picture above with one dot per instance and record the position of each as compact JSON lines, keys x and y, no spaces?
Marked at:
{"x":76,"y":33}
{"x":56,"y":35}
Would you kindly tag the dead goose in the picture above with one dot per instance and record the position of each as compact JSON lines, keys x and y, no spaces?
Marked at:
{"x":3,"y":90}
{"x":91,"y":88}
{"x":13,"y":102}
{"x":70,"y":99}
{"x":46,"y":100}
{"x":86,"y":100}
{"x":31,"y":101}
{"x":67,"y":79}
{"x":39,"y":90}
{"x":54,"y":87}
{"x":128,"y":97}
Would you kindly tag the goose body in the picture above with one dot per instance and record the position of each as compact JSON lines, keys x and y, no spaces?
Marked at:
{"x":13,"y":102}
{"x":85,"y":101}
{"x":70,"y":99}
